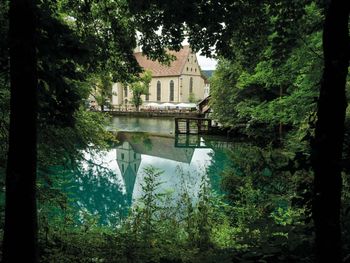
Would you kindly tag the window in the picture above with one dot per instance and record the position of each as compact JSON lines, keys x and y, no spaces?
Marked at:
{"x":195,"y":70}
{"x":158,"y":90}
{"x":191,"y":85}
{"x":171,"y":97}
{"x":122,"y":155}
{"x":187,"y":69}
{"x":125,"y":91}
{"x":191,"y":69}
{"x":122,"y":168}
{"x":134,"y":155}
{"x":147,"y":94}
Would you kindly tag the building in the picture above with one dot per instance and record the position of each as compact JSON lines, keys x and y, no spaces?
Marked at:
{"x":129,"y":162}
{"x":129,"y":155}
{"x":180,"y":82}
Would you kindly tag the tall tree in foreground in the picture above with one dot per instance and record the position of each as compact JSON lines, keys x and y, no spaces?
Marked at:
{"x":329,"y":134}
{"x":20,"y":232}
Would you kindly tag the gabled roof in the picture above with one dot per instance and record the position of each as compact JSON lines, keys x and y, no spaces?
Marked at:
{"x":159,"y":70}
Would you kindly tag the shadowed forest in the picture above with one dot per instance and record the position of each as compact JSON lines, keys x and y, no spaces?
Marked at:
{"x":281,"y":88}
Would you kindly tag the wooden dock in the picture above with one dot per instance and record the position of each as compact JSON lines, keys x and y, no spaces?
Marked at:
{"x":192,"y":126}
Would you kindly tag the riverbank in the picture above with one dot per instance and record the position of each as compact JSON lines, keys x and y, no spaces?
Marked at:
{"x":147,"y":114}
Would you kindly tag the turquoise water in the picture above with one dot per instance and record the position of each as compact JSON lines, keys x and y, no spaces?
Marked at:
{"x":109,"y":182}
{"x":137,"y":124}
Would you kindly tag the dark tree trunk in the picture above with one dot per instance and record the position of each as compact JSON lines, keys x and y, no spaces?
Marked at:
{"x":329,"y":134}
{"x":20,"y":232}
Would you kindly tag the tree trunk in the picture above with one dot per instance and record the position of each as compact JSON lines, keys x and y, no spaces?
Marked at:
{"x":329,"y":134}
{"x":20,"y":232}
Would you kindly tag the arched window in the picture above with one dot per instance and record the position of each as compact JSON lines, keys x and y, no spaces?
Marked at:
{"x":171,"y":97}
{"x":191,"y":85}
{"x":147,"y":94}
{"x":125,"y":91}
{"x":158,"y":90}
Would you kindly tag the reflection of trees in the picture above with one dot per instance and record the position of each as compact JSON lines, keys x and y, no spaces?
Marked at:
{"x":97,"y":191}
{"x":219,"y":161}
{"x":142,"y":137}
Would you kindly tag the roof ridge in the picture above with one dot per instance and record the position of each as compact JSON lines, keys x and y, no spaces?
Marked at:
{"x":184,"y":61}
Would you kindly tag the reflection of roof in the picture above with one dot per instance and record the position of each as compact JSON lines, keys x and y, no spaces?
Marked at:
{"x":159,"y":146}
{"x":159,"y":70}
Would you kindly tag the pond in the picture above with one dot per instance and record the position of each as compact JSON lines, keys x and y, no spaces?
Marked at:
{"x":109,"y":182}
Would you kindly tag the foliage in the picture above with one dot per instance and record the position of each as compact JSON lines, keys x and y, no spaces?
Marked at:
{"x":263,"y":96}
{"x":268,"y":79}
{"x":262,"y":225}
{"x":89,"y":134}
{"x":192,"y":98}
{"x":139,"y":87}
{"x":263,"y":195}
{"x":102,"y":91}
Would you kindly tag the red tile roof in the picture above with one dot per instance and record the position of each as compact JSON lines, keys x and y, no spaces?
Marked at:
{"x":159,"y":70}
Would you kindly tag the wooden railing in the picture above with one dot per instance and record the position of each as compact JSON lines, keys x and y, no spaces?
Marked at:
{"x":192,"y":126}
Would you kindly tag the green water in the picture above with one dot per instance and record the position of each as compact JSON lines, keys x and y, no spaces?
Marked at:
{"x":109,"y":182}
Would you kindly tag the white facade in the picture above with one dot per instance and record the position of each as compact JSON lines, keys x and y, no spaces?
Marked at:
{"x":183,"y":84}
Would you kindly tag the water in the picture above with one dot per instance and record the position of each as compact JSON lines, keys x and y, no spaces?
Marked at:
{"x":136,"y":124}
{"x":109,"y":182}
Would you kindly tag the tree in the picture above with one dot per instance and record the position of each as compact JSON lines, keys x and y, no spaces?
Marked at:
{"x":20,"y":232}
{"x":329,"y":133}
{"x":140,"y":87}
{"x":53,"y":49}
{"x":102,"y":90}
{"x":253,"y":89}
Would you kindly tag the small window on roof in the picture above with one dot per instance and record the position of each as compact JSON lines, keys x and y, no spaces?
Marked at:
{"x":187,"y":68}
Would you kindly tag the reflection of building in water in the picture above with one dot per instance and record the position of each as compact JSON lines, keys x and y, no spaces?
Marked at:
{"x":129,"y":163}
{"x":133,"y":146}
{"x":158,"y":146}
